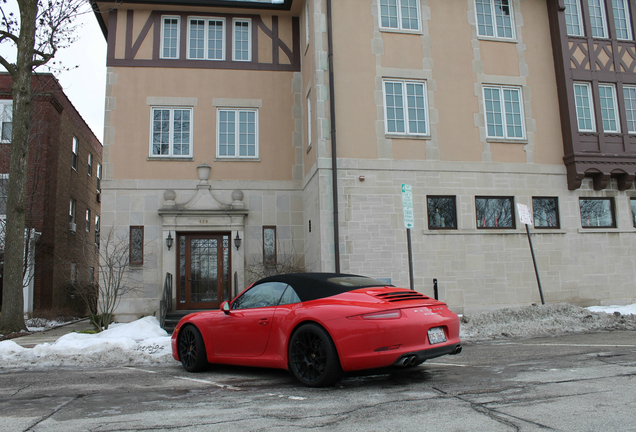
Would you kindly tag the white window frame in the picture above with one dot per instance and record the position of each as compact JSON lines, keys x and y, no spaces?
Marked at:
{"x":405,"y":108}
{"x":172,"y":109}
{"x":6,"y":113}
{"x":576,"y":15}
{"x":206,"y":39}
{"x":88,"y":220}
{"x":236,"y":21}
{"x":399,"y":27}
{"x":629,"y":96}
{"x":503,"y":113}
{"x":236,"y":154}
{"x":623,"y":5}
{"x":99,"y":177}
{"x":72,"y":210}
{"x":592,"y":6}
{"x":90,"y":165}
{"x":493,"y":18}
{"x":75,"y":153}
{"x":163,"y":25}
{"x":609,"y":113}
{"x":589,"y":106}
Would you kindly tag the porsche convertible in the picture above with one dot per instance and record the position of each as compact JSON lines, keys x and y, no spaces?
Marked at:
{"x":319,"y":326}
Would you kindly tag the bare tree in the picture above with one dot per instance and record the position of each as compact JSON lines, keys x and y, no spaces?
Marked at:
{"x":42,"y":28}
{"x":104,"y":295}
{"x":287,"y":260}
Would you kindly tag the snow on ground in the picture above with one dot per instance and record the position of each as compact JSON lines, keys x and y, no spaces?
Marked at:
{"x":144,"y":342}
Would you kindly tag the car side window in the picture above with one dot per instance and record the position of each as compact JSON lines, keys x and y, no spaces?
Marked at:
{"x":289,"y":296}
{"x":263,"y":295}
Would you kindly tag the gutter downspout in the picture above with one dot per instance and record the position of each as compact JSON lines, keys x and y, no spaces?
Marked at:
{"x":334,"y":158}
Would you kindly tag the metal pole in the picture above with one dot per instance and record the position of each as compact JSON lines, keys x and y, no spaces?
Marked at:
{"x":435,"y":289}
{"x":534,"y":261}
{"x":408,"y":242}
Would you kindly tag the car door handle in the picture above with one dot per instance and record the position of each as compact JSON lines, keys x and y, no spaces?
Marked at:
{"x":263,"y":321}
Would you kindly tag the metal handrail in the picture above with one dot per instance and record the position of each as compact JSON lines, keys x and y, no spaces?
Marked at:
{"x":166,"y":300}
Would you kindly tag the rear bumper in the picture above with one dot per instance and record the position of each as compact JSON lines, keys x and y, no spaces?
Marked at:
{"x":417,"y":357}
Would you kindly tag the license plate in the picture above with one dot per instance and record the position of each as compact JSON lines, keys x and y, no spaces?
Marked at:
{"x":436,"y":335}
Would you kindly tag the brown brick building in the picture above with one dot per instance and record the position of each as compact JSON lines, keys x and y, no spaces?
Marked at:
{"x":63,"y":196}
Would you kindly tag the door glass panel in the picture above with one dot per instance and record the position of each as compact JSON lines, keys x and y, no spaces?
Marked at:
{"x":203,"y":270}
{"x":182,"y":269}
{"x":226,"y":268}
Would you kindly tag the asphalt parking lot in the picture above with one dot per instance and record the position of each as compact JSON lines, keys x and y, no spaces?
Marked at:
{"x":582,"y":382}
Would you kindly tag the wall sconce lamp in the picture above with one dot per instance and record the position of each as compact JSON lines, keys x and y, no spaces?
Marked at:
{"x":237,"y":241}
{"x":169,"y":240}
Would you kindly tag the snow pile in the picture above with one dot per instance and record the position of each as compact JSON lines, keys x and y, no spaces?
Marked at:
{"x":41,"y":324}
{"x":140,"y":342}
{"x":547,"y":320}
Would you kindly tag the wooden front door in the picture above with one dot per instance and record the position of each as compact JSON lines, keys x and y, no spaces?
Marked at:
{"x":203,"y":280}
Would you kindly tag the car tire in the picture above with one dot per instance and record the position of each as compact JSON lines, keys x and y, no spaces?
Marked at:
{"x":192,"y":349}
{"x":313,"y":358}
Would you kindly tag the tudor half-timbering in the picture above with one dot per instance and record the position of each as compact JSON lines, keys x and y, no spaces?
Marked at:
{"x":224,"y":119}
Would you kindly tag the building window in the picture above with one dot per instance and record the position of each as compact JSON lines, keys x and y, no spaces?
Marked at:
{"x":545,"y":212}
{"x":494,"y":18}
{"x":237,"y":133}
{"x":99,"y":177}
{"x":71,"y":212}
{"x":242,"y":40}
{"x":629,"y":95}
{"x":504,"y":112}
{"x":597,"y":18}
{"x":269,"y":245}
{"x":90,"y":164}
{"x":609,"y":108}
{"x":97,"y":229}
{"x":171,"y":132}
{"x":583,"y":103}
{"x":88,"y":220}
{"x":442,"y":213}
{"x":573,"y":18}
{"x":74,"y":156}
{"x":495,"y":212}
{"x":400,"y":14}
{"x":170,"y":37}
{"x":206,"y":38}
{"x":597,"y":213}
{"x":405,"y":107}
{"x":632,"y":201}
{"x":136,"y":245}
{"x":6,"y":119}
{"x":622,"y":19}
{"x":4,"y":186}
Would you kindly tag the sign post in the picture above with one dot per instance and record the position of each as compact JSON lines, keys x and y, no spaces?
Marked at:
{"x":526,"y":218}
{"x":407,"y":210}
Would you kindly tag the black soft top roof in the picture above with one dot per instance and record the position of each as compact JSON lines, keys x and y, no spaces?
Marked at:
{"x":313,"y":286}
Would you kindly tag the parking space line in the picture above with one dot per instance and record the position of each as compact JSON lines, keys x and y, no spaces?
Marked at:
{"x":202,"y":381}
{"x":581,"y":345}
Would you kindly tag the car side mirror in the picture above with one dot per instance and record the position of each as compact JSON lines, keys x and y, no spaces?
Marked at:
{"x":225,"y":307}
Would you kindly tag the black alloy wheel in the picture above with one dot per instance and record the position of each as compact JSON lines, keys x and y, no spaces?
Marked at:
{"x":313,"y":358}
{"x":192,"y":349}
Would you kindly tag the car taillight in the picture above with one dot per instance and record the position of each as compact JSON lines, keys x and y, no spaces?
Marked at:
{"x":392,"y":314}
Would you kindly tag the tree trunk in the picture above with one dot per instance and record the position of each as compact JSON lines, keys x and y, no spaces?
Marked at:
{"x":12,"y":317}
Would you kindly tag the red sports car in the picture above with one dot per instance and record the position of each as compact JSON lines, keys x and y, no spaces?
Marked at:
{"x":318,"y":326}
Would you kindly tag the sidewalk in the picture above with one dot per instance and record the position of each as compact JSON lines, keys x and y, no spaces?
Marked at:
{"x":51,"y":335}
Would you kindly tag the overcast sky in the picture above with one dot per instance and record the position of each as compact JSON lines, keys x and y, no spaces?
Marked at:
{"x":85,"y":86}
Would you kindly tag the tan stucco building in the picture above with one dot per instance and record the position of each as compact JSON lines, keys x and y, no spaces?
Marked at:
{"x":479,"y":105}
